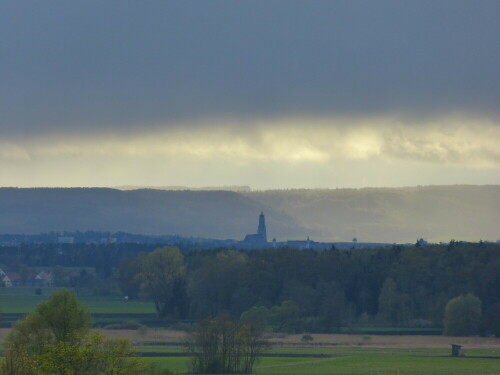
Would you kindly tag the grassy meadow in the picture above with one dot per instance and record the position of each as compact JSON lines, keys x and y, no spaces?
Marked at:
{"x":333,"y":354}
{"x":105,"y":310}
{"x":366,"y":361}
{"x":24,"y":300}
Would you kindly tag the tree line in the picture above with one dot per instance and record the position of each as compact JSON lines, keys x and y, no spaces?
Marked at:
{"x":284,"y":289}
{"x":319,"y":291}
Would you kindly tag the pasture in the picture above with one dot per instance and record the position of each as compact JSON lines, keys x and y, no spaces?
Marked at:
{"x":105,"y":310}
{"x":365,"y":361}
{"x":24,"y":300}
{"x":345,"y":354}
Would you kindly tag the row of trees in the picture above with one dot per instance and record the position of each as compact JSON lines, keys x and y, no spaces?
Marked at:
{"x":318,"y":291}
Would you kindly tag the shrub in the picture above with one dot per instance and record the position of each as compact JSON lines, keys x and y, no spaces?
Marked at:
{"x":307,"y":339}
{"x":143,"y":330}
{"x":462,"y":316}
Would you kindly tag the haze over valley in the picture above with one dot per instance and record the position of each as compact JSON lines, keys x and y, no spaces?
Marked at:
{"x":436,"y":213}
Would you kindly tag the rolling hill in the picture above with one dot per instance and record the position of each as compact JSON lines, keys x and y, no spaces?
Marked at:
{"x":370,"y":214}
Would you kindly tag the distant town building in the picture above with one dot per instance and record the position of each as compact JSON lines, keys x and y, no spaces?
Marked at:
{"x":12,"y":279}
{"x":421,"y":242}
{"x":66,"y":240}
{"x":259,"y":238}
{"x":303,"y":244}
{"x":6,"y":281}
{"x":43,"y":279}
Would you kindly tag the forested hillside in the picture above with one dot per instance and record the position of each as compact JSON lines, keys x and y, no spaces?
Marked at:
{"x":436,"y":213}
{"x":210,"y":214}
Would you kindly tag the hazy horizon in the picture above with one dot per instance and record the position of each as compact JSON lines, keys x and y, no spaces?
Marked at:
{"x":436,"y":213}
{"x":235,"y":187}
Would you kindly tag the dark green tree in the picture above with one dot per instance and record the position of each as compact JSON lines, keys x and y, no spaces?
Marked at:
{"x":333,"y":311}
{"x":257,"y":316}
{"x":492,"y":320}
{"x":128,"y":279}
{"x":394,"y":307}
{"x":284,"y":317}
{"x":162,"y":280}
{"x":215,"y":285}
{"x":65,"y":317}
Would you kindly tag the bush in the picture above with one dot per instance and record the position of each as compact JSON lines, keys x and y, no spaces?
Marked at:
{"x":462,"y":316}
{"x":307,"y":339}
{"x":143,"y":330}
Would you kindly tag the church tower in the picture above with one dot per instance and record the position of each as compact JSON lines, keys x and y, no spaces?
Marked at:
{"x":261,"y":231}
{"x":258,"y":239}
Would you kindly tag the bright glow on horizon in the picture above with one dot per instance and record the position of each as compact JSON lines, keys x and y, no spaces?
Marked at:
{"x":446,"y":150}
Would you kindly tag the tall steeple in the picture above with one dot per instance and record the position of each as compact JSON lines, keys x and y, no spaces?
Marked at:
{"x":261,"y":230}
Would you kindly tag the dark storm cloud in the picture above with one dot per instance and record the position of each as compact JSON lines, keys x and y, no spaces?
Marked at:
{"x":72,"y":66}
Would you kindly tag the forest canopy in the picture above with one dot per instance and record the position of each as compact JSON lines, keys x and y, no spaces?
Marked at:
{"x":323,"y":291}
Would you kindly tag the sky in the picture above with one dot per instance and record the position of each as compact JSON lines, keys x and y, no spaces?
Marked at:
{"x":269,"y":94}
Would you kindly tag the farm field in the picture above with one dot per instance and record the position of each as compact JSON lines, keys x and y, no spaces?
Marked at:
{"x":327,"y":354}
{"x":336,"y":354}
{"x":343,"y":354}
{"x":105,"y":311}
{"x":23,"y":300}
{"x":367,"y":361}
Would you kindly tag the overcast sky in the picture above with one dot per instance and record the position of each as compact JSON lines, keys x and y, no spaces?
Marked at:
{"x":271,"y":94}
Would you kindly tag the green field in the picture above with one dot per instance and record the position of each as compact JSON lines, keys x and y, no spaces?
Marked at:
{"x":366,"y":361}
{"x":339,"y":360}
{"x":23,"y":300}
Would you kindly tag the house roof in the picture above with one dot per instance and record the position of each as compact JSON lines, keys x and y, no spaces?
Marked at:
{"x":13,"y":276}
{"x":42,"y":275}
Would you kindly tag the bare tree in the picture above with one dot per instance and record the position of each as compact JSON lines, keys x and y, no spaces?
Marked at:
{"x":224,"y":345}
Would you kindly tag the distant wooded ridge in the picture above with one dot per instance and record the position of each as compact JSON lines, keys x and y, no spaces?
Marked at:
{"x":436,"y":213}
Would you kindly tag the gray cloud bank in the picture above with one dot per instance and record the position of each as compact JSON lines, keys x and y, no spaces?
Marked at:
{"x":87,"y":66}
